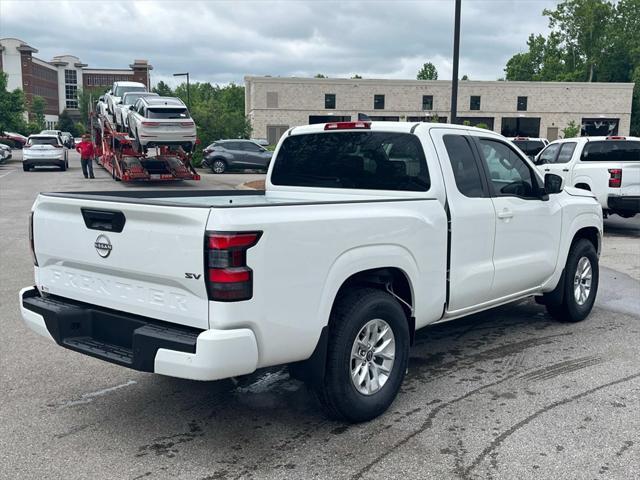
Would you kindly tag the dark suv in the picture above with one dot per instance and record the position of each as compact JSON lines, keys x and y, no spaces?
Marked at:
{"x":225,"y":155}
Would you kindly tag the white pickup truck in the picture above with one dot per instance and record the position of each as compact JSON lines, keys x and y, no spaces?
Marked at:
{"x":366,"y":232}
{"x":607,"y":166}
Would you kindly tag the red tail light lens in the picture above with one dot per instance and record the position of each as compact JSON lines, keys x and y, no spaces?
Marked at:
{"x":31,"y":242}
{"x":186,"y":124}
{"x":615,"y":180}
{"x":348,"y":126}
{"x":229,"y":279}
{"x":150,"y":124}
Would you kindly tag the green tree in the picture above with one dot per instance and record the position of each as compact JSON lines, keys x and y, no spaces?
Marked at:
{"x":80,"y":129}
{"x":66,"y":123}
{"x":162,"y":89}
{"x":12,"y":108}
{"x":320,"y":75}
{"x":356,"y":77}
{"x":465,"y":78}
{"x":428,"y":72}
{"x":37,"y":108}
{"x":482,"y":125}
{"x":582,"y":26}
{"x":87,"y":99}
{"x":571,"y":130}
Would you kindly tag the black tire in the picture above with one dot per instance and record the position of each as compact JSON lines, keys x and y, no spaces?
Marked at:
{"x":218,"y":165}
{"x":26,"y":167}
{"x":337,"y":392}
{"x":562,"y":303}
{"x":63,"y":167}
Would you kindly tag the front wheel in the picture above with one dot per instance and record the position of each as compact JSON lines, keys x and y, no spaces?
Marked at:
{"x":218,"y":166}
{"x":367,"y":356}
{"x":580,"y":284}
{"x":26,"y":167}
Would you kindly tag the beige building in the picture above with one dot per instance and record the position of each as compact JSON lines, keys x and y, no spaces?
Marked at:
{"x":532,"y":109}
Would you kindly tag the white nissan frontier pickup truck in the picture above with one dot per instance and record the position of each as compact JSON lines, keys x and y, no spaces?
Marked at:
{"x":365,"y":233}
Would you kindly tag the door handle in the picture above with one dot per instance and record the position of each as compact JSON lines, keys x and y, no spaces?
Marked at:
{"x":565,"y":169}
{"x":547,"y":169}
{"x":505,"y":214}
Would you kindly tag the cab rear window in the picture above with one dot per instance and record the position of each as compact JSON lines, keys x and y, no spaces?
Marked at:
{"x":44,"y":141}
{"x":611,"y":151}
{"x":530,"y":147}
{"x":358,"y":160}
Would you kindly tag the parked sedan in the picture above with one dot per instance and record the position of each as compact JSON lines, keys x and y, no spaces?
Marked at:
{"x":224,"y":155}
{"x":44,"y":150}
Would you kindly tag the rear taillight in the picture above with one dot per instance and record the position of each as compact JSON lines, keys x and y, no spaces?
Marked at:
{"x":186,"y":124}
{"x":348,"y":126}
{"x":31,"y":244}
{"x":228,"y":278}
{"x":616,"y":137}
{"x":150,"y":124}
{"x":615,"y":177}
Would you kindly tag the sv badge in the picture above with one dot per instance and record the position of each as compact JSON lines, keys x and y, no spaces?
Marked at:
{"x":193,"y":276}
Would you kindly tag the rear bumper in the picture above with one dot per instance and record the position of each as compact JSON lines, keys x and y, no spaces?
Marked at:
{"x":43,"y":161}
{"x":138,"y":342}
{"x":627,"y":204}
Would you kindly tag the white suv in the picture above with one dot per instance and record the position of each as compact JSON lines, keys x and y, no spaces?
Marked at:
{"x":155,"y":121}
{"x":122,"y":109}
{"x":114,"y":96}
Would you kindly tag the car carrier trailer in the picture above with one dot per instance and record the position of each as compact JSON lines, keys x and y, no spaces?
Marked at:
{"x":116,"y":153}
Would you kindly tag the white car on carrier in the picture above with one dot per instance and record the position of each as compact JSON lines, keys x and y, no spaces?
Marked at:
{"x":114,"y":96}
{"x":158,"y":121}
{"x":366,"y":232}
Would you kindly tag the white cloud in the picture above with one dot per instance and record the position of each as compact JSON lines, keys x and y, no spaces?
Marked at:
{"x":222,"y":41}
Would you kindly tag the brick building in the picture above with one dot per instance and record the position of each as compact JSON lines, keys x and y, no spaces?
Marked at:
{"x":59,"y":80}
{"x":533,"y":109}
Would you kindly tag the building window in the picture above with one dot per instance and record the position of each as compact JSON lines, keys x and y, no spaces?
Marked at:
{"x":272,"y":99}
{"x":71,"y":77}
{"x":71,"y":96}
{"x":378,"y":102}
{"x":427,"y":102}
{"x":474,"y":103}
{"x":522,"y":104}
{"x":329,"y":100}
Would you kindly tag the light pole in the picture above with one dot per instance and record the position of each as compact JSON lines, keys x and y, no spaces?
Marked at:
{"x":456,"y":57}
{"x":188,"y":92}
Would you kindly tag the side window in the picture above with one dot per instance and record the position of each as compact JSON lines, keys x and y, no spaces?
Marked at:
{"x":509,"y":174}
{"x":548,"y":155}
{"x":566,"y":152}
{"x":251,"y":147}
{"x":463,"y":163}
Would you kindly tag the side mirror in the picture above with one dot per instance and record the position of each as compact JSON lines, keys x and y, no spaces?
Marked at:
{"x":552,"y":183}
{"x":131,"y":107}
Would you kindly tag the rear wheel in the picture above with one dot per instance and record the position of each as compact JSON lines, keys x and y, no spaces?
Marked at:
{"x":26,"y":167}
{"x":218,"y":166}
{"x":367,"y":356}
{"x":578,"y":290}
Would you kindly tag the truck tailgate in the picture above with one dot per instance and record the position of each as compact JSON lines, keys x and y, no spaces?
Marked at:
{"x":153,"y":267}
{"x":630,"y":179}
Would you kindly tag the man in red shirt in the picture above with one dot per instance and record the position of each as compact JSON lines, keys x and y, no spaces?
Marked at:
{"x":87,"y":151}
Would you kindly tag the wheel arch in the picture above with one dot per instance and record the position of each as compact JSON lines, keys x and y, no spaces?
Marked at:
{"x":379,"y":267}
{"x":588,"y":225}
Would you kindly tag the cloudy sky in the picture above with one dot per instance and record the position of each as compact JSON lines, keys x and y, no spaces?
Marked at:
{"x":222,"y":41}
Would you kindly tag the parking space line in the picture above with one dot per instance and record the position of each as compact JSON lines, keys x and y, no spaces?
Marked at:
{"x":7,"y":173}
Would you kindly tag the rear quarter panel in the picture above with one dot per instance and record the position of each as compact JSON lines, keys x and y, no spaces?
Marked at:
{"x":306,"y":253}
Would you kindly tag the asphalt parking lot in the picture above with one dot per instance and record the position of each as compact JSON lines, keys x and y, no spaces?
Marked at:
{"x":508,"y":393}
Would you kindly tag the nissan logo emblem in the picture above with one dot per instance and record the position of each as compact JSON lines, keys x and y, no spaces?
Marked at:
{"x":103,"y":246}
